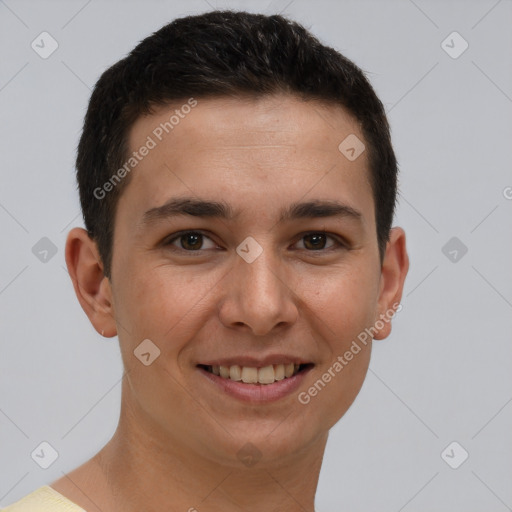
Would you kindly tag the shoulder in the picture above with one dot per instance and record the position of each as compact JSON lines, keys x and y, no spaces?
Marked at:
{"x":43,"y":499}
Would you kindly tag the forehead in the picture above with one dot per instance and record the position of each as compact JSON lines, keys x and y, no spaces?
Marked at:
{"x":263,"y":151}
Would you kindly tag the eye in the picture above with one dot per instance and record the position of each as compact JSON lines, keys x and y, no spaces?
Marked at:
{"x":315,"y":241}
{"x":193,"y":241}
{"x":189,"y":241}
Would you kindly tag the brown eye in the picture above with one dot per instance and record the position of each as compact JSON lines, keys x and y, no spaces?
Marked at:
{"x":317,"y":241}
{"x":189,"y":241}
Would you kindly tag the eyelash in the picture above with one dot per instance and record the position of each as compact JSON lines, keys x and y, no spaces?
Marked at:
{"x":176,"y":236}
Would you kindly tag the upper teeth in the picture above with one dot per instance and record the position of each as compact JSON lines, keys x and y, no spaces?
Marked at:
{"x":251,"y":375}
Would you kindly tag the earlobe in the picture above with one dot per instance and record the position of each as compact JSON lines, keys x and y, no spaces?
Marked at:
{"x":393,"y":273}
{"x":92,"y":288}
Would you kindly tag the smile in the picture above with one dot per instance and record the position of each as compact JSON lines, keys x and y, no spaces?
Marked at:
{"x":253,"y":375}
{"x":254,"y":384}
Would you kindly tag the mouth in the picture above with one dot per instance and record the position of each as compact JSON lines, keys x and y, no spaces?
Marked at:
{"x":256,"y":385}
{"x":264,"y":376}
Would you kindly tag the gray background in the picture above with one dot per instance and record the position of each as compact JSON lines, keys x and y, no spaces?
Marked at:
{"x":443,"y":375}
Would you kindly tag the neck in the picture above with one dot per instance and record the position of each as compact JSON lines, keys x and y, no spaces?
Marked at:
{"x":143,"y":470}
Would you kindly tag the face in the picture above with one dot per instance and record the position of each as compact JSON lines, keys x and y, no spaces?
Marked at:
{"x":282,"y":267}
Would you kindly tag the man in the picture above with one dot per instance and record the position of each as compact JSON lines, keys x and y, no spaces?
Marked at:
{"x":238,"y":186}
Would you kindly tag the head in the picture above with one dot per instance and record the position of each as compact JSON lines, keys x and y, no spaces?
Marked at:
{"x":231,"y":126}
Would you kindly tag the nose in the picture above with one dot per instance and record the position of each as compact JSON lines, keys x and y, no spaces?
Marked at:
{"x":258,"y":296}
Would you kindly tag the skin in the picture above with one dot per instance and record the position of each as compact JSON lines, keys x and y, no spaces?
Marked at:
{"x":178,"y":436}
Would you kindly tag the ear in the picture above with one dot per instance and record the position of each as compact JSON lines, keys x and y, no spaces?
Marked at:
{"x":91,"y":286}
{"x":393,"y":272}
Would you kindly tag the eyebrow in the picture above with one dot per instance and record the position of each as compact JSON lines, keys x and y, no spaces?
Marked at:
{"x":192,"y":206}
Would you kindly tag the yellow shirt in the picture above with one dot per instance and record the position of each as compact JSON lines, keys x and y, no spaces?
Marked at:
{"x":44,"y":499}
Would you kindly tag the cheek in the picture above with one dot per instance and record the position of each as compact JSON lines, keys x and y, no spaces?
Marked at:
{"x":164,"y":304}
{"x":343,"y":306}
{"x":343,"y":303}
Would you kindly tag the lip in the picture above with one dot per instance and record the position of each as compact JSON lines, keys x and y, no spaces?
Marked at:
{"x":255,"y":362}
{"x":256,"y":393}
